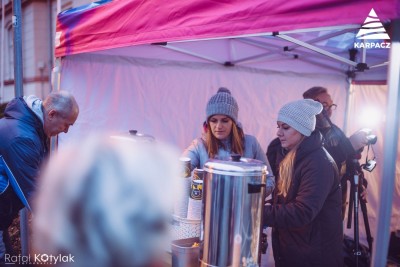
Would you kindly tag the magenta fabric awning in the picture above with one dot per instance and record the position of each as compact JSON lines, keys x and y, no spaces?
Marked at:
{"x":124,"y":23}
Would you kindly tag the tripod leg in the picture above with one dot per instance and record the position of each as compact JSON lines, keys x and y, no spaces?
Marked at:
{"x":343,"y":184}
{"x":351,"y":203}
{"x":363,"y":204}
{"x":370,"y":239}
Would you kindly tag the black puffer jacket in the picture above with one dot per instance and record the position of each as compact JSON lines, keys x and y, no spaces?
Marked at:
{"x":307,"y":223}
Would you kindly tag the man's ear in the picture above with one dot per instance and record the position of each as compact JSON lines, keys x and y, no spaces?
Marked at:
{"x":52,"y":113}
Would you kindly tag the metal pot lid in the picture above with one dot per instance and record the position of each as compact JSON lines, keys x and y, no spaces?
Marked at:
{"x":134,"y":135}
{"x":236,"y":165}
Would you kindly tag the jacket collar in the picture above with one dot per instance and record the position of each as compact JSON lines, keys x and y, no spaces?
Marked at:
{"x":309,"y":145}
{"x":35,"y":104}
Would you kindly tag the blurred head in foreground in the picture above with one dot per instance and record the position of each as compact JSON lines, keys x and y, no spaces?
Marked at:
{"x":106,"y":202}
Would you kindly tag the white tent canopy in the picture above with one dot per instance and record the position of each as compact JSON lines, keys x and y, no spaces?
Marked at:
{"x":162,"y":89}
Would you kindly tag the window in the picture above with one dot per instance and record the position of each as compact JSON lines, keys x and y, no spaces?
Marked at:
{"x":9,"y":53}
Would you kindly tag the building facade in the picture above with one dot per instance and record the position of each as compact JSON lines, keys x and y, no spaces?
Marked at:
{"x":38,"y":30}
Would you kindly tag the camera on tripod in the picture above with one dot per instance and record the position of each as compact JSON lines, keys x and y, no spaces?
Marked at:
{"x":371,"y":139}
{"x":370,"y":164}
{"x":358,"y":255}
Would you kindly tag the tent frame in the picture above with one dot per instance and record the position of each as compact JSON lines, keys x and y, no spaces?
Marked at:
{"x":284,"y":35}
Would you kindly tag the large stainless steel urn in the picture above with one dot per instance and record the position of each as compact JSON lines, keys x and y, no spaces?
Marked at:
{"x":233,"y":199}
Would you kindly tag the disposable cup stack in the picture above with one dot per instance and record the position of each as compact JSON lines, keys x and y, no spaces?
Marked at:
{"x":183,"y":190}
{"x":195,"y":200}
{"x":196,"y":194}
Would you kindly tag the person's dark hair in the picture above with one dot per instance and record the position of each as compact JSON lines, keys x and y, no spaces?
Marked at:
{"x":313,"y":92}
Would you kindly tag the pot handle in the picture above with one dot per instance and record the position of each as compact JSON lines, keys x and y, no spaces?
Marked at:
{"x":236,"y":157}
{"x":254,"y":188}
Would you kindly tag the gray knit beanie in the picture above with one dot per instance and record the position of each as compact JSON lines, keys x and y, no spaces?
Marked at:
{"x":300,"y":115}
{"x":223,"y":103}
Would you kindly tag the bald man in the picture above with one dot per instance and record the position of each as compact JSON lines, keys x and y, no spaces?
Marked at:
{"x":25,"y":131}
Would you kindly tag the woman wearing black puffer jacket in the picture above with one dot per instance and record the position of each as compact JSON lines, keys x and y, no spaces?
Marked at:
{"x":306,"y":212}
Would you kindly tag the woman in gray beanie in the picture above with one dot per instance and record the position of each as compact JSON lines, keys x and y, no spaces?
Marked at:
{"x":306,"y":213}
{"x":224,"y":136}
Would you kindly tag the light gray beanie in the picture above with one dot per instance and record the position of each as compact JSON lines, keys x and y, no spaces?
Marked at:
{"x":300,"y":115}
{"x":222,"y":103}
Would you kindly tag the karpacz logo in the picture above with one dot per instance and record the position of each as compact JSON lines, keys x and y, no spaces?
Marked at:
{"x":372,"y":29}
{"x":372,"y":45}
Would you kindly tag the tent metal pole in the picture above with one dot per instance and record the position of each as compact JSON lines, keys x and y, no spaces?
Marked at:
{"x":19,"y":91}
{"x":329,"y":28}
{"x":56,"y":75}
{"x":322,"y":38}
{"x":18,"y":76}
{"x":51,"y":40}
{"x":272,"y":51}
{"x":280,"y":50}
{"x":298,"y":56}
{"x":349,"y":103}
{"x":363,"y":53}
{"x":383,"y":64}
{"x":231,"y":50}
{"x":317,"y":49}
{"x":221,"y":38}
{"x":183,"y":51}
{"x":18,"y":64}
{"x":390,"y":142}
{"x":2,"y":65}
{"x":55,"y":85}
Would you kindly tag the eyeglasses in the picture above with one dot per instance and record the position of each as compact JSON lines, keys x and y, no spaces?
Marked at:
{"x":331,"y":107}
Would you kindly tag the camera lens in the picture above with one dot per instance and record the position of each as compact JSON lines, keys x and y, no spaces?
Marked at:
{"x":372,"y":139}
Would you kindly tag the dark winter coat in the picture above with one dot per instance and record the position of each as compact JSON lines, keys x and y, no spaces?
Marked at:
{"x":23,"y":147}
{"x":343,"y":153}
{"x":337,"y":145}
{"x":307,"y":225}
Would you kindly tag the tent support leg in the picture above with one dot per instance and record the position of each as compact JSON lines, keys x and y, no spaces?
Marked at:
{"x":379,"y":257}
{"x":349,"y":103}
